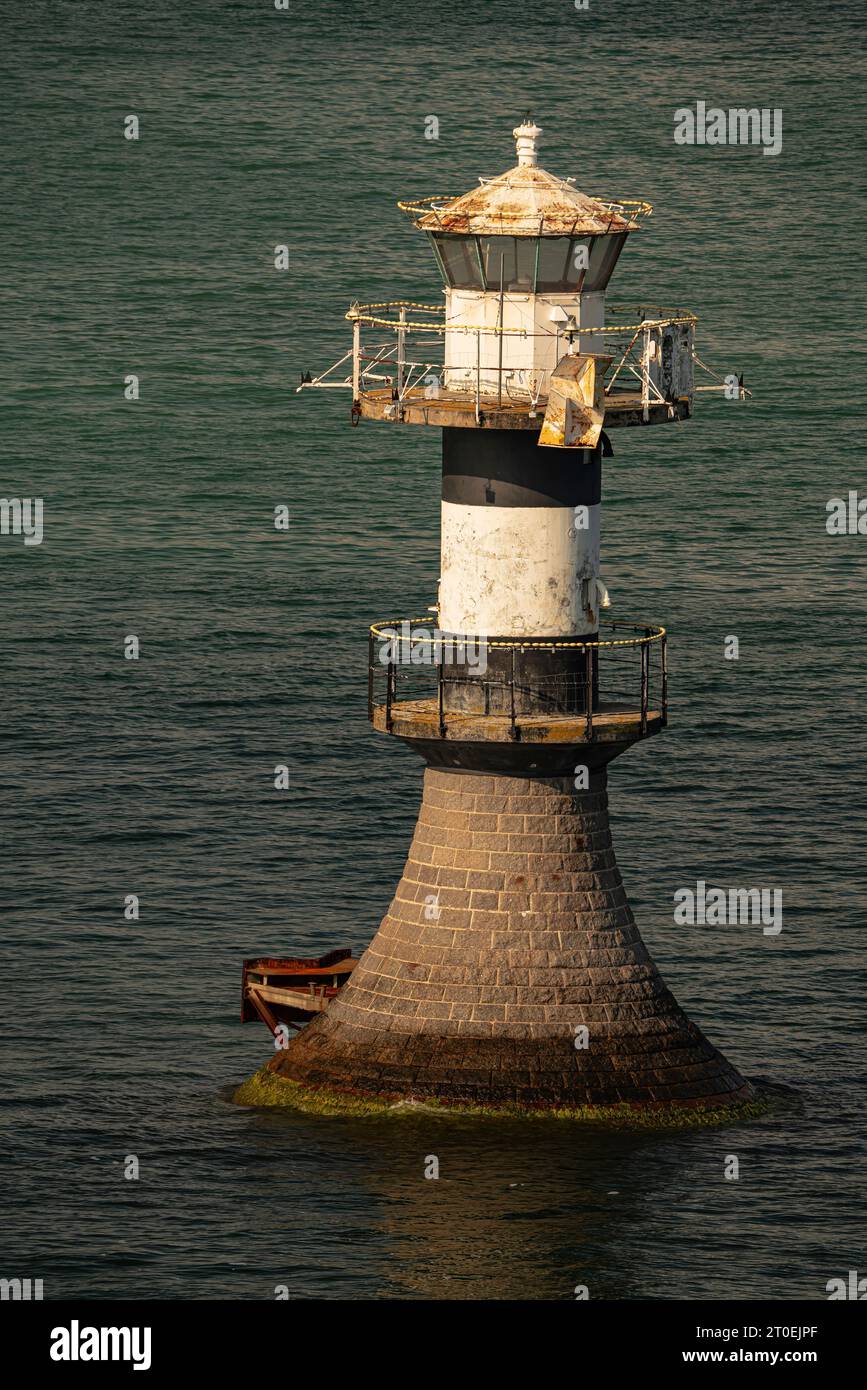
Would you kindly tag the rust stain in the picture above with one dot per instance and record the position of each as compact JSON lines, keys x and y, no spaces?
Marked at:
{"x":419,"y":719}
{"x":623,"y":408}
{"x":576,"y":403}
{"x":527,"y":200}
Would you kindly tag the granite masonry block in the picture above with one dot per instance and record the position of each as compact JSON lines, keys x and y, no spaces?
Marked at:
{"x":534,"y":937}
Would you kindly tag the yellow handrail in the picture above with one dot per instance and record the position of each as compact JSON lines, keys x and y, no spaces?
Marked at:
{"x":358,"y":314}
{"x":632,"y":207}
{"x":376,"y":630}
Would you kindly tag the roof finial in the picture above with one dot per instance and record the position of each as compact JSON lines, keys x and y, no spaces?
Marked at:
{"x":526,"y":139}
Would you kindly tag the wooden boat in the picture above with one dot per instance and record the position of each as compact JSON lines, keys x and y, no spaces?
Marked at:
{"x":292,"y":989}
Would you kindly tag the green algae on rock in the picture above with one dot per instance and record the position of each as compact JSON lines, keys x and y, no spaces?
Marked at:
{"x":266,"y":1089}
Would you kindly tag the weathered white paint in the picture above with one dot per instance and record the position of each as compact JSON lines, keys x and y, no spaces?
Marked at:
{"x":528,"y":356}
{"x":668,"y":354}
{"x":527,"y":137}
{"x":518,"y":571}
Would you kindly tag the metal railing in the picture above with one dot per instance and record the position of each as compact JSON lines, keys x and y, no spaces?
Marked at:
{"x":629,"y":210}
{"x":407,"y":358}
{"x":410,"y":667}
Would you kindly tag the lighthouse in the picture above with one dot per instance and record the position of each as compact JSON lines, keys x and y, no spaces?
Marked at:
{"x":508,"y":970}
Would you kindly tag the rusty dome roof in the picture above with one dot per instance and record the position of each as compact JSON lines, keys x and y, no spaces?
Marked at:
{"x":525,"y":201}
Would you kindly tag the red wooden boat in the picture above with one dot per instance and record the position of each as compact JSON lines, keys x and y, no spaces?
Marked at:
{"x":292,"y":989}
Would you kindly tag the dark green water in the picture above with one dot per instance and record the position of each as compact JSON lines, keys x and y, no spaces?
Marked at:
{"x":155,"y":777}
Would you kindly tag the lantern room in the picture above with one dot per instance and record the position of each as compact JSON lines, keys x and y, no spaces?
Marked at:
{"x":524,"y":253}
{"x":521,"y":339}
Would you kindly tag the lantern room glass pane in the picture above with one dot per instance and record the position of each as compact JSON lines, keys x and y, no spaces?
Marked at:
{"x":553,"y":263}
{"x":604,"y":252}
{"x":525,"y":263}
{"x":497,"y":250}
{"x":576,"y":266}
{"x":460,"y":261}
{"x":560,"y":266}
{"x":518,"y":256}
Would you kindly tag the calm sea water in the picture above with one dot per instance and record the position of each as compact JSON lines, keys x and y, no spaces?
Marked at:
{"x":155,"y":778}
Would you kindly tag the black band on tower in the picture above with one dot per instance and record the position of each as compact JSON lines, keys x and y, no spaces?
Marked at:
{"x":506,"y":468}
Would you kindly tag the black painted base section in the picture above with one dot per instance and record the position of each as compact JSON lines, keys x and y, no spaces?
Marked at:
{"x":545,"y":680}
{"x":505,"y":468}
{"x":520,"y":759}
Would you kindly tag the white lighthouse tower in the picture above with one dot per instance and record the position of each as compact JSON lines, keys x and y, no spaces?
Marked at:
{"x":526,"y":260}
{"x":510,"y":934}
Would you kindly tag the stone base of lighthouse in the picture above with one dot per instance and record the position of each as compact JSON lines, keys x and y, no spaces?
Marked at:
{"x":509,"y":932}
